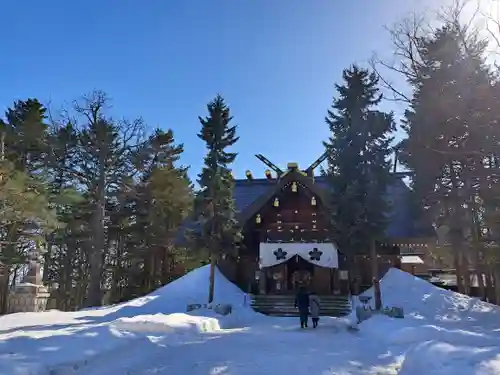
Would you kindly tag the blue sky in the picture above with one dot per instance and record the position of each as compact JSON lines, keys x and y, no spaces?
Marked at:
{"x":275,"y":62}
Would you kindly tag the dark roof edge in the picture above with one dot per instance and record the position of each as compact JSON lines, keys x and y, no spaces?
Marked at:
{"x":251,"y":210}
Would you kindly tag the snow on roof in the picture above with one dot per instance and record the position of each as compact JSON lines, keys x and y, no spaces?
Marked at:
{"x":411,"y":259}
{"x":450,"y":279}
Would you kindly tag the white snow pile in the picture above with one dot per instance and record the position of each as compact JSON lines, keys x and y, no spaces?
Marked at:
{"x":444,"y":332}
{"x":192,"y":288}
{"x":161,"y":324}
{"x":41,"y":343}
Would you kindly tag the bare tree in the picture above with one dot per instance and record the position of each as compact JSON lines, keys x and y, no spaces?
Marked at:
{"x":105,"y":151}
{"x":406,"y":37}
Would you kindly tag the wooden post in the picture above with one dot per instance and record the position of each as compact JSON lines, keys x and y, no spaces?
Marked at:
{"x":286,"y":287}
{"x":375,"y":276}
{"x":211,"y":286}
{"x":213,"y":262}
{"x":4,"y":270}
{"x":395,"y":165}
{"x":2,"y":145}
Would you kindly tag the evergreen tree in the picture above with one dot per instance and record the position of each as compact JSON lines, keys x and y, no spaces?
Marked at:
{"x":452,"y":134}
{"x":214,"y":205}
{"x":161,"y":202}
{"x":26,"y":133}
{"x":103,"y":164}
{"x":108,"y":202}
{"x":358,"y":164}
{"x":25,"y":211}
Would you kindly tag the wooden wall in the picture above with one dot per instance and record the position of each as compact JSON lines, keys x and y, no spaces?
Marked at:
{"x":294,"y":220}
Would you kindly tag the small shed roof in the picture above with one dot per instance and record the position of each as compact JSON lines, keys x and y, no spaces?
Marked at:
{"x":411,"y":259}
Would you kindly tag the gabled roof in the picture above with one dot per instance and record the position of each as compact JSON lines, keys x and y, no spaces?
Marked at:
{"x":270,"y":190}
{"x":402,"y":223}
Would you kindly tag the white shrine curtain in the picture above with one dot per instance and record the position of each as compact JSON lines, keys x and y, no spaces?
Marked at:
{"x":319,"y":254}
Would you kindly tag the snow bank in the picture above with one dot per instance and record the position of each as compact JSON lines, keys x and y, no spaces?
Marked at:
{"x":192,"y":288}
{"x":444,"y":332}
{"x":173,"y":323}
{"x":424,"y":301}
{"x":406,"y":332}
{"x":54,"y":341}
{"x":433,"y":358}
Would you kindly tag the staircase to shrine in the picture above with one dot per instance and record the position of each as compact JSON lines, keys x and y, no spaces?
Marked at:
{"x":284,"y":305}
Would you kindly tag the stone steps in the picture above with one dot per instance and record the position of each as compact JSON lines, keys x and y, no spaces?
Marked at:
{"x":283,"y":305}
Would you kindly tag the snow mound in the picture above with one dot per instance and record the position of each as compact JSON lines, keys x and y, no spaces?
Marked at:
{"x":433,"y":358}
{"x":173,"y":323}
{"x":174,"y":297}
{"x":424,"y":301}
{"x":407,"y":332}
{"x":55,"y":341}
{"x":408,"y":335}
{"x":444,"y":332}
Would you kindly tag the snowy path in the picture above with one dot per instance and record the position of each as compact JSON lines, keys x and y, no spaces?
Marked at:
{"x":280,"y":348}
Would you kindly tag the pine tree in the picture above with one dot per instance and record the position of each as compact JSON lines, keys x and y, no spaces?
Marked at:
{"x":26,"y":133}
{"x":25,"y":211}
{"x":162,"y":201}
{"x":358,"y":164}
{"x":452,"y":134}
{"x":214,"y":205}
{"x":65,"y":199}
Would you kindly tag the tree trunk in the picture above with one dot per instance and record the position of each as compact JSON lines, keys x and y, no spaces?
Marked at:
{"x":465,"y":272}
{"x":488,"y":286}
{"x":456,"y":232}
{"x":493,"y":296}
{"x":457,"y":260}
{"x":4,"y":290}
{"x":4,"y":282}
{"x":479,"y":271}
{"x":47,"y":261}
{"x":98,"y":238}
{"x":211,"y":284}
{"x":496,"y":281}
{"x":375,"y":276}
{"x":478,"y":254}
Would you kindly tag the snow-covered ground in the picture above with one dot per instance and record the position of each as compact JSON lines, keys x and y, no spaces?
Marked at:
{"x":442,"y":333}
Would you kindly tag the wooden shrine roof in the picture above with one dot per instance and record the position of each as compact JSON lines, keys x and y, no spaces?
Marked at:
{"x":402,"y":223}
{"x":251,"y":195}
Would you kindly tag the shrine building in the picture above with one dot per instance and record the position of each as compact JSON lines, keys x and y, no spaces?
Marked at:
{"x":286,"y":243}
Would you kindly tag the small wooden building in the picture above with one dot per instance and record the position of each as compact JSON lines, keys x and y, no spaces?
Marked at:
{"x":286,"y":237}
{"x":413,"y":261}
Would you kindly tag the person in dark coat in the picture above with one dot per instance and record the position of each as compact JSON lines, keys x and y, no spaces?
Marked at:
{"x":302,"y":302}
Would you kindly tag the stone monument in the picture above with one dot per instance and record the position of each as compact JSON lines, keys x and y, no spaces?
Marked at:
{"x":30,"y":295}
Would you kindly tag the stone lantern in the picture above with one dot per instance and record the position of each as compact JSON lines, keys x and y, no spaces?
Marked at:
{"x":30,"y":295}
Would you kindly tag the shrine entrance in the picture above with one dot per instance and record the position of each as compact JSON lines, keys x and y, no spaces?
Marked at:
{"x":289,"y":276}
{"x":288,"y":266}
{"x":300,"y":273}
